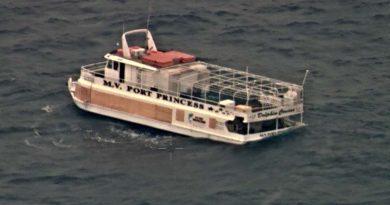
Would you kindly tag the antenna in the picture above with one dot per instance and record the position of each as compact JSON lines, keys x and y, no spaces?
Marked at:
{"x":247,"y":98}
{"x":246,"y":86}
{"x":303,"y":84}
{"x":149,"y":13}
{"x":147,"y":24}
{"x":304,"y":78}
{"x":123,"y":31}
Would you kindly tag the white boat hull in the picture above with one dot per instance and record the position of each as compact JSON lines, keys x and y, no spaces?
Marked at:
{"x":178,"y":128}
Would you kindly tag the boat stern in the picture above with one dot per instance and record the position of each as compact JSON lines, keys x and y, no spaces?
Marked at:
{"x":71,"y":86}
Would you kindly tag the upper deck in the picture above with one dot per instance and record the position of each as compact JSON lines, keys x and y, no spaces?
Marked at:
{"x":213,"y":83}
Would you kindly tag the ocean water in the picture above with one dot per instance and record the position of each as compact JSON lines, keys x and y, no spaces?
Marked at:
{"x":53,"y":153}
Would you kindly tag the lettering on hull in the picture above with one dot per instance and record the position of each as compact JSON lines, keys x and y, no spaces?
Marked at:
{"x":155,"y":95}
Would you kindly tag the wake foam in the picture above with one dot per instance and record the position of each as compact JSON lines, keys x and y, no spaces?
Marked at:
{"x":48,"y":108}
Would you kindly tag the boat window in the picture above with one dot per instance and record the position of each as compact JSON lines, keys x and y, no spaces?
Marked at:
{"x":139,"y":76}
{"x":255,"y":127}
{"x":109,"y":64}
{"x":115,"y":65}
{"x":264,"y":126}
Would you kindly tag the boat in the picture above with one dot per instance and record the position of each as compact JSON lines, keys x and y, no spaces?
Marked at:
{"x":176,"y":92}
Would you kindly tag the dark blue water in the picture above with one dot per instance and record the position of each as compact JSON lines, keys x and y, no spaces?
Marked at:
{"x":53,"y":153}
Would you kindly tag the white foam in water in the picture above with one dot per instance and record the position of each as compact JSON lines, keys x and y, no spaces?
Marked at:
{"x":38,"y":136}
{"x":28,"y":143}
{"x":60,"y":144}
{"x":102,"y":139}
{"x":147,"y":140}
{"x":152,"y":142}
{"x":125,"y":133}
{"x":48,"y":108}
{"x":74,"y":127}
{"x":36,"y":132}
{"x":272,"y":198}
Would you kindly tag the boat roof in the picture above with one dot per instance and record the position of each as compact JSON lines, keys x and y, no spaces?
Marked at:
{"x":121,"y":59}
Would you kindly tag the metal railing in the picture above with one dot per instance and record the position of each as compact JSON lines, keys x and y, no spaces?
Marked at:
{"x":96,"y":70}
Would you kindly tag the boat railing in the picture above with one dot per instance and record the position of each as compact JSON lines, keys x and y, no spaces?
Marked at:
{"x":91,"y":71}
{"x":94,"y":66}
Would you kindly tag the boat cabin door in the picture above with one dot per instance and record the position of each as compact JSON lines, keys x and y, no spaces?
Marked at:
{"x":115,"y":71}
{"x":121,"y":72}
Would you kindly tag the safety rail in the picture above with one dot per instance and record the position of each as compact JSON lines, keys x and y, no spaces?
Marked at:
{"x":94,"y":66}
{"x":90,"y":71}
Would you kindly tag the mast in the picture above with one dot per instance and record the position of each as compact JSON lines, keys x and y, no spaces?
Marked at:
{"x":148,"y":24}
{"x":247,"y":100}
{"x":303,"y":90}
{"x":246,"y":86}
{"x":304,"y":78}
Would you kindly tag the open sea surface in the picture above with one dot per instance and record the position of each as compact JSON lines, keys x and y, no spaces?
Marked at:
{"x":53,"y":153}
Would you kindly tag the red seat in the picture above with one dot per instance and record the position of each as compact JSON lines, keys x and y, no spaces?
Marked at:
{"x":182,"y":57}
{"x":165,"y":59}
{"x":158,"y":59}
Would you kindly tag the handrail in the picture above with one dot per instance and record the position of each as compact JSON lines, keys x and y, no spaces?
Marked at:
{"x":95,"y":67}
